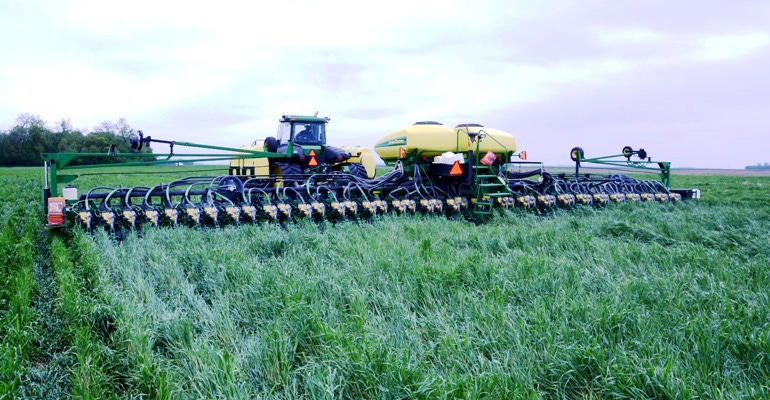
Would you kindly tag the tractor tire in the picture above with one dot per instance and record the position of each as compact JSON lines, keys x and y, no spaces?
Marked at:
{"x":271,"y":144}
{"x":358,"y":170}
{"x":287,"y":172}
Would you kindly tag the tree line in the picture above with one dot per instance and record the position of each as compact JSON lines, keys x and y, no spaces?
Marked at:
{"x":759,"y":166}
{"x":22,"y":144}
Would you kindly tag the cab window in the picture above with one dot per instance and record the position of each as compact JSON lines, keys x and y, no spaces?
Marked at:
{"x":284,"y":131}
{"x":309,"y":133}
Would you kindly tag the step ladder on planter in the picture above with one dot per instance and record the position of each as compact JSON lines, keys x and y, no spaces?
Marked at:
{"x":489,"y":186}
{"x":490,"y":180}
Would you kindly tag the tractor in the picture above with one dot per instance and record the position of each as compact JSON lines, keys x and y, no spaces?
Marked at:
{"x":302,"y":141}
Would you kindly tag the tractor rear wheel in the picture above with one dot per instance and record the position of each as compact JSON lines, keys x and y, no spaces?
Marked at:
{"x":358,"y":170}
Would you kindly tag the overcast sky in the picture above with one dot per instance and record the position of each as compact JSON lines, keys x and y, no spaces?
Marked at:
{"x":687,"y":80}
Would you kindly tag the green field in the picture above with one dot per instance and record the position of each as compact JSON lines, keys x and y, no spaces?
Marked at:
{"x":629,"y":301}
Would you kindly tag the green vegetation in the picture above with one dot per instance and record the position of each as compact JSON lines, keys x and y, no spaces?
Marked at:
{"x":22,"y":144}
{"x":631,"y":301}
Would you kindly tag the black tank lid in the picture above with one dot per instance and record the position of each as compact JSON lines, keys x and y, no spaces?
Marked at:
{"x":469,"y":126}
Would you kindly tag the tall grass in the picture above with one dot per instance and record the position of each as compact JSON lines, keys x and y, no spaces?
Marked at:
{"x":630,"y":301}
{"x":49,"y":317}
{"x":17,"y":288}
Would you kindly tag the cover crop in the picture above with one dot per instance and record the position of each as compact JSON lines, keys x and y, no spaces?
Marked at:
{"x":645,"y":300}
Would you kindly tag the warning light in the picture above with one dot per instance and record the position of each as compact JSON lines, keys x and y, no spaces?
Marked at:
{"x":313,"y":162}
{"x":456,"y":169}
{"x":401,"y":152}
{"x":523,"y":155}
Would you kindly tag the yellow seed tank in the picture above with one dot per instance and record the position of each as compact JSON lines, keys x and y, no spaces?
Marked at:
{"x":429,"y":139}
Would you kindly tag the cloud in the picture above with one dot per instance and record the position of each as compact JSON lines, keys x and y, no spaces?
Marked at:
{"x":709,"y":115}
{"x":558,"y":72}
{"x":631,"y":36}
{"x":732,"y":46}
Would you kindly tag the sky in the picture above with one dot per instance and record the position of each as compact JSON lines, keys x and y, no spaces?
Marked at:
{"x":689,"y":81}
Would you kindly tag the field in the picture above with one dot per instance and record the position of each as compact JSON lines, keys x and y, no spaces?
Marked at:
{"x":630,"y":301}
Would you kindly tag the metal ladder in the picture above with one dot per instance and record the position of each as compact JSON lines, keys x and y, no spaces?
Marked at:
{"x":488,"y":186}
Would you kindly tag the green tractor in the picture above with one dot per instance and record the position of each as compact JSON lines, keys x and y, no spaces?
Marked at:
{"x":302,"y":141}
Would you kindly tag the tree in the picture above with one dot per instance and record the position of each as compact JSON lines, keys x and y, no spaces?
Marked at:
{"x":27,"y":121}
{"x":759,"y":166}
{"x":120,"y":130}
{"x":52,"y":141}
{"x":23,"y":144}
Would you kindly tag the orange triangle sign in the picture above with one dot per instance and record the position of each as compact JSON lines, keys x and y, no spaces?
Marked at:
{"x":313,"y":162}
{"x":401,"y":152}
{"x":456,"y":169}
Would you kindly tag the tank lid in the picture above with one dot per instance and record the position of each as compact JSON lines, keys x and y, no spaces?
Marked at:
{"x":427,"y":123}
{"x":469,"y":126}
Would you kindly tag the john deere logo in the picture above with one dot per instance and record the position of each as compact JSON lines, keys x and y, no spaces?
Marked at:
{"x":399,"y":141}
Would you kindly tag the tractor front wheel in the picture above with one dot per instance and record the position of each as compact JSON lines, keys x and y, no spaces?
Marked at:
{"x":271,"y":144}
{"x":287,"y":172}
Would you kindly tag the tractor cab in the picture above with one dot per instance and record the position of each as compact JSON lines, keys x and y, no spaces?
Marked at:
{"x":304,"y":139}
{"x":301,"y":130}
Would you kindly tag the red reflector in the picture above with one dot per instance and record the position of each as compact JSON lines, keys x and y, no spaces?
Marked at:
{"x":401,"y":152}
{"x":312,"y":153}
{"x":488,"y":158}
{"x":313,"y":162}
{"x":523,"y":155}
{"x":456,"y":169}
